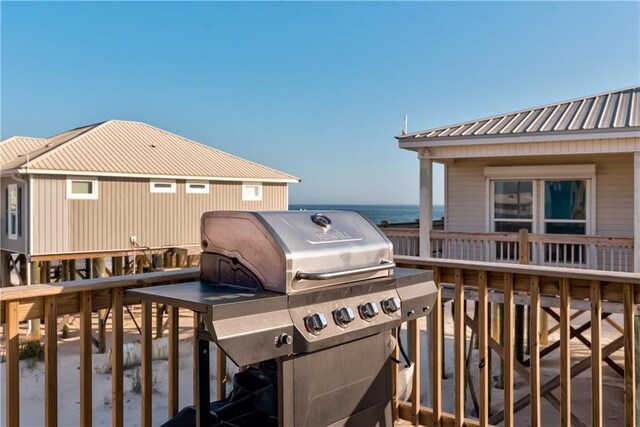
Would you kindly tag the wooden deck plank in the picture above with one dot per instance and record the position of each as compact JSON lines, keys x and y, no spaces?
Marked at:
{"x":459,"y":344}
{"x":629,"y":357}
{"x":436,"y":351}
{"x":117,"y":409}
{"x":508,"y":349}
{"x":483,"y":350}
{"x":12,"y":365}
{"x":174,"y":357}
{"x":146,"y":368}
{"x":413,"y":330}
{"x":534,"y":346}
{"x":565,"y":354}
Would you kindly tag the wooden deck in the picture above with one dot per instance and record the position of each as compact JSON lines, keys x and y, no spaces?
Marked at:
{"x":502,"y":287}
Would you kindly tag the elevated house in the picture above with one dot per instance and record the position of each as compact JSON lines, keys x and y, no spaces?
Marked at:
{"x":552,"y":185}
{"x":105,"y":189}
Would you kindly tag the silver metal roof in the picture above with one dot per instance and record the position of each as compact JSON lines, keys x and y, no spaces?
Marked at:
{"x":619,"y":109}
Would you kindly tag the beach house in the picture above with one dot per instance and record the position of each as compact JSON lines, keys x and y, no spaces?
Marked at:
{"x":553,"y":185}
{"x":103,"y":189}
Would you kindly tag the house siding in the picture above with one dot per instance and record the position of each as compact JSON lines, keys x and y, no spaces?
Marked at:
{"x":466,"y":190}
{"x":19,"y":245}
{"x":127,"y":208}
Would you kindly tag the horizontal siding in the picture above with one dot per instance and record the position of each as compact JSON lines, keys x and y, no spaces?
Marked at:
{"x":478,"y":149}
{"x":466,"y":192}
{"x":20,"y":244}
{"x":128,"y":208}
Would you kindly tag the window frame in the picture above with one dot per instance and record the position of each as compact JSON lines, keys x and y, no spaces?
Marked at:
{"x":534,"y":208}
{"x":191,"y":190}
{"x":165,"y":190}
{"x":11,"y":233}
{"x":82,"y":196}
{"x":588,"y":211}
{"x":250,"y":197}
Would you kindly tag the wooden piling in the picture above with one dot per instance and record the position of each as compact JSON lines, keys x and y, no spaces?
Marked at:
{"x":33,"y":332}
{"x":5,"y":267}
{"x":72,"y":269}
{"x":65,"y":270}
{"x":117,"y":268}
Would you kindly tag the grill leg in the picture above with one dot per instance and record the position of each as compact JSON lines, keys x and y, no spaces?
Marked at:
{"x":202,"y":404}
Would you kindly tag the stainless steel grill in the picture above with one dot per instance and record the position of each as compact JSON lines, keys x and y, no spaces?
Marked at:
{"x":315,"y":291}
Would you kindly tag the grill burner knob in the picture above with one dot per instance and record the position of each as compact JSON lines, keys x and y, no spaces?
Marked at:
{"x":368,"y":310}
{"x":343,"y":316}
{"x":391,"y":305}
{"x":315,"y":323}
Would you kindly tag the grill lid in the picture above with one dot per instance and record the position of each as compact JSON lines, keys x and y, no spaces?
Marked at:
{"x":292,"y":251}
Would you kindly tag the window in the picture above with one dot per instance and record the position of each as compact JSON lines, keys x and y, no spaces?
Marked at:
{"x":198,"y":187}
{"x":513,"y":206}
{"x":252,"y":191}
{"x":82,"y":188}
{"x":162,"y":186}
{"x":565,"y":207}
{"x":13,"y":211}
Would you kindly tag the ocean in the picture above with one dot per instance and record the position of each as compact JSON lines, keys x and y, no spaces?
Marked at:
{"x":377,"y":213}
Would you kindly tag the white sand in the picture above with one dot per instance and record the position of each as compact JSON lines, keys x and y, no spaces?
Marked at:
{"x":32,"y":381}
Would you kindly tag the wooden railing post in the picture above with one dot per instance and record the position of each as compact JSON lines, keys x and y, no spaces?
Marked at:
{"x":508,"y":349}
{"x":50,"y":362}
{"x":596,"y":354}
{"x":459,"y":337}
{"x":483,"y":349}
{"x":146,"y":374}
{"x":413,"y":331}
{"x":534,"y":346}
{"x":86,"y":370}
{"x":436,"y":351}
{"x":12,"y":365}
{"x":565,"y":354}
{"x":116,"y":358}
{"x":629,"y":356}
{"x":174,"y":357}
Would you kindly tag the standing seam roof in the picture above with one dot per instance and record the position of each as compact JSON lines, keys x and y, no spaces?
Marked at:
{"x":611,"y":110}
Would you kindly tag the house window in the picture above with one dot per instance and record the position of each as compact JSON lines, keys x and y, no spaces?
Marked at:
{"x":13,"y":211}
{"x":565,"y":207}
{"x":83,"y":188}
{"x":198,"y":187}
{"x":252,"y":191}
{"x":513,"y":206}
{"x":162,"y":186}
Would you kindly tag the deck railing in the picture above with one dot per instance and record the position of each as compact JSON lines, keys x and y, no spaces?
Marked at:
{"x":558,"y":292}
{"x":558,"y":250}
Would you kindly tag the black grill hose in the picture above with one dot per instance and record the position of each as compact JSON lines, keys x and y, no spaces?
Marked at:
{"x":404,"y":353}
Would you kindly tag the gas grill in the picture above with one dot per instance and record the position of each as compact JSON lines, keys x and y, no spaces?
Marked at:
{"x":316,"y":292}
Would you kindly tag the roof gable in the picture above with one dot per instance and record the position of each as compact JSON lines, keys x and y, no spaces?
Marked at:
{"x":609,"y":111}
{"x":133,"y":148}
{"x":12,"y":149}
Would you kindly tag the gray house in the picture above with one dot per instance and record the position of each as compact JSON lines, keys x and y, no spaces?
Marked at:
{"x":97,"y":190}
{"x":567,"y":174}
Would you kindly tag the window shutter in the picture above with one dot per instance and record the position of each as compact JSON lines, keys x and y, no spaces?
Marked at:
{"x":19,"y":211}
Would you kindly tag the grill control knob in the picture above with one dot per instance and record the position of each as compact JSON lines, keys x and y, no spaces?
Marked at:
{"x":315,"y":323}
{"x":368,"y":310}
{"x":343,"y":316}
{"x":391,"y":305}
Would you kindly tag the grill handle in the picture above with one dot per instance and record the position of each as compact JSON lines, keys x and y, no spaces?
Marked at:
{"x":384,"y":265}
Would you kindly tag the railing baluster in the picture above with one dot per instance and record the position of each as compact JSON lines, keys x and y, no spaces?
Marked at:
{"x":596,"y":354}
{"x":483,"y":349}
{"x":565,"y":354}
{"x":146,"y":368}
{"x":50,"y":362}
{"x":459,"y":345}
{"x":12,"y":365}
{"x":117,"y":413}
{"x":629,"y":355}
{"x":534,"y":346}
{"x":174,"y":357}
{"x":394,"y":377}
{"x":413,"y":331}
{"x":436,"y":350}
{"x":508,"y":349}
{"x":86,"y":368}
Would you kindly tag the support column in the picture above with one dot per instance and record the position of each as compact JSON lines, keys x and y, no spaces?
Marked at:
{"x":5,"y":263}
{"x":33,"y":331}
{"x":636,"y":211}
{"x":426,"y":204}
{"x":117,"y":266}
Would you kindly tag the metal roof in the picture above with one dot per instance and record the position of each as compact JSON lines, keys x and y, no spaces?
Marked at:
{"x":125,"y":148}
{"x":615,"y":110}
{"x":16,"y":146}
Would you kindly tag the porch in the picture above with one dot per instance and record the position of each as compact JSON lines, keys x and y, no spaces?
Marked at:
{"x":494,"y":288}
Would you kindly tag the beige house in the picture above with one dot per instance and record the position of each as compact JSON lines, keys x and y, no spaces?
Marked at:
{"x":101,"y":187}
{"x":568,"y":173}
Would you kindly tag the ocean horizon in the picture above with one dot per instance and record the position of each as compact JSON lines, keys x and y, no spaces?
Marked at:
{"x":376,"y":213}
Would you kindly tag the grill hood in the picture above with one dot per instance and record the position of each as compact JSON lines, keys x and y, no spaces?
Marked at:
{"x":295,"y":251}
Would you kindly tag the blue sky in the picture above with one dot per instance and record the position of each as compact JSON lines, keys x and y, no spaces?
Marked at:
{"x":314,"y":89}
